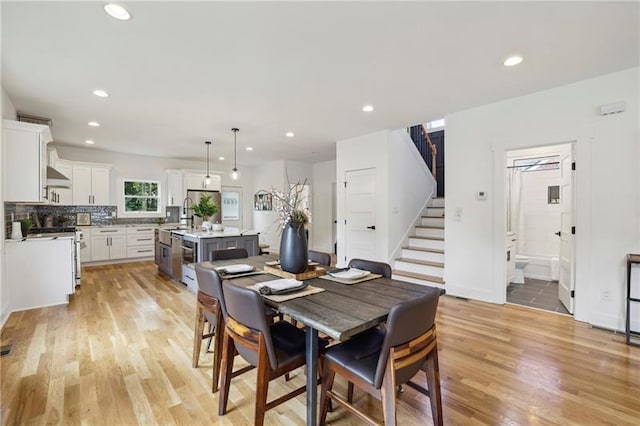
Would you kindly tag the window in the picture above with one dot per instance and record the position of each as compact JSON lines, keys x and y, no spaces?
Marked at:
{"x":141,"y":196}
{"x":538,"y":163}
{"x":553,"y":194}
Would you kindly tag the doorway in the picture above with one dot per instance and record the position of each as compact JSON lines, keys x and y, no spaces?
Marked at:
{"x":360,"y":236}
{"x":540,"y":202}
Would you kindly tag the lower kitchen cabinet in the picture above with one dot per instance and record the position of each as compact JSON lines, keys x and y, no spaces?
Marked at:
{"x":40,"y":272}
{"x":108,"y":243}
{"x":140,"y":242}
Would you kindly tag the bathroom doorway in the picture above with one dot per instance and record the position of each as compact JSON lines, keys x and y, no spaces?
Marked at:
{"x":540,"y":201}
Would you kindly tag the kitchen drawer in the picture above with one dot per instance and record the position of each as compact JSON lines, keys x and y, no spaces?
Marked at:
{"x":108,"y":232}
{"x":141,"y":251}
{"x":189,"y":278}
{"x":139,"y":240}
{"x":139,"y":231}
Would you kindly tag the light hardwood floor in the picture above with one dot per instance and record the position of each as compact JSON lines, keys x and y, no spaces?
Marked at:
{"x":120,"y":353}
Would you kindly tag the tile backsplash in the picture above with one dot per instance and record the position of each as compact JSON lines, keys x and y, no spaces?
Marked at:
{"x":66,"y":215}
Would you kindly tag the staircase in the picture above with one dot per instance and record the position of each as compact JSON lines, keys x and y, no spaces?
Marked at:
{"x":422,"y":261}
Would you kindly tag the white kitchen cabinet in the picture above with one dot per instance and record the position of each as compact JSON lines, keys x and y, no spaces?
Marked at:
{"x":196,"y":181}
{"x":62,"y":196}
{"x":174,"y":188}
{"x":40,"y":272}
{"x":90,"y":185}
{"x":140,"y":242}
{"x":108,"y":243}
{"x":24,"y":165}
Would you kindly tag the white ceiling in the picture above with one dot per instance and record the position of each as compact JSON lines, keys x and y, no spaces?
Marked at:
{"x":182,"y":73}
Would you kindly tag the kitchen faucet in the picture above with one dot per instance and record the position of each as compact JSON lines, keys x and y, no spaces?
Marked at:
{"x":187,"y":204}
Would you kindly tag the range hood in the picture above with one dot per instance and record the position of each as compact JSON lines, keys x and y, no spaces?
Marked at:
{"x":55,"y":179}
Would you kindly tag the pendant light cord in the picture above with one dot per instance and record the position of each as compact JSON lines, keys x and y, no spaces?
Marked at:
{"x":235,"y":149}
{"x":208,"y":145}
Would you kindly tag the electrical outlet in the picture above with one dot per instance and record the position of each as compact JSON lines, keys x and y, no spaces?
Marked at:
{"x":604,"y":294}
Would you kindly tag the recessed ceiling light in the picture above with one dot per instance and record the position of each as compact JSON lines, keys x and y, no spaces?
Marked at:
{"x":512,"y":60}
{"x":220,"y":158}
{"x":290,"y":134}
{"x":117,"y":11}
{"x":93,"y":124}
{"x":89,"y":142}
{"x":101,"y":93}
{"x":367,"y":108}
{"x":249,"y":148}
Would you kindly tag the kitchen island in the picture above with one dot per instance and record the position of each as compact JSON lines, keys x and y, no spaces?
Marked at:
{"x":203,"y":242}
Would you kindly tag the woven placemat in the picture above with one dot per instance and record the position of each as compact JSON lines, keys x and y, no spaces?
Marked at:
{"x":278,"y":298}
{"x":356,"y":281}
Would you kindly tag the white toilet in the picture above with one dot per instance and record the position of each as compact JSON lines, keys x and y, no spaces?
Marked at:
{"x":521,"y":263}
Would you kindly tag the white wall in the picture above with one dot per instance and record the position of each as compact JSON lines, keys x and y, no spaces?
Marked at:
{"x":403,"y":185}
{"x":154,"y":168}
{"x":607,"y":185}
{"x":411,"y":185}
{"x":7,"y":111}
{"x":266,"y":177}
{"x":324,"y":178}
{"x":541,"y":219}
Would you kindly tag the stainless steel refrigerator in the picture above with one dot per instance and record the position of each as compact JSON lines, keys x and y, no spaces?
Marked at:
{"x":193,"y":197}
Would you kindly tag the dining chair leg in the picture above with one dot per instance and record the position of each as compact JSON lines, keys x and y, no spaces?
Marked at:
{"x":262,"y":385}
{"x":328,"y":376}
{"x":433,"y":383}
{"x":198,"y":331}
{"x":350,"y":393}
{"x":388,"y":393}
{"x":228,"y":353}
{"x":218,"y":339}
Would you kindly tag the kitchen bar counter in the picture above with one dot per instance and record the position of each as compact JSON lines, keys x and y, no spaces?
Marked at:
{"x":204,"y":242}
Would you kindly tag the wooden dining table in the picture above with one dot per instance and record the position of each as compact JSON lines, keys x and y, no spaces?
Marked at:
{"x":340,"y":312}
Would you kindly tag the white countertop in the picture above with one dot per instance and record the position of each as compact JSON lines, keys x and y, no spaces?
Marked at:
{"x":45,"y":237}
{"x":219,"y":234}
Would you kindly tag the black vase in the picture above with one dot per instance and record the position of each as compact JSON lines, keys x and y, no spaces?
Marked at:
{"x":293,"y":249}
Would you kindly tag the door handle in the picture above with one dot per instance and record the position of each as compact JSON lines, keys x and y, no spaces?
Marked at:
{"x":559,"y":233}
{"x":371,"y":227}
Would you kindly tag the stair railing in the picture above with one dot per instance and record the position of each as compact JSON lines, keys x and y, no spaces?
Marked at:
{"x":425,"y":147}
{"x":432,"y":147}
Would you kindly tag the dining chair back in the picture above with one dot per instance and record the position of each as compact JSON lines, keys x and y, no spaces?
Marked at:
{"x":320,"y":257}
{"x":380,"y":360}
{"x":226,"y":254}
{"x":275,"y":349}
{"x":379,"y":268}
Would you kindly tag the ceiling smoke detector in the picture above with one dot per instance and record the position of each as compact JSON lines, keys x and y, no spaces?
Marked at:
{"x":26,"y":118}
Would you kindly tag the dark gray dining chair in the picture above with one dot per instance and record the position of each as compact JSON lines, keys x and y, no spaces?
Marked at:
{"x":320,"y":257}
{"x":274,"y":349}
{"x":227,"y":254}
{"x":379,"y":268}
{"x":382,"y":359}
{"x":210,"y":308}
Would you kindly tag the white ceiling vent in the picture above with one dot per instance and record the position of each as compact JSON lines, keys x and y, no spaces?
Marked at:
{"x":614,"y":108}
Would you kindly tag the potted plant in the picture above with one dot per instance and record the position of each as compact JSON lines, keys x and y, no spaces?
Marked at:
{"x":26,"y":225}
{"x":205,"y":209}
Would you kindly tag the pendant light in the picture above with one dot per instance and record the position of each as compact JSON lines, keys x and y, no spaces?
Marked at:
{"x":234,"y":174}
{"x":207,"y":179}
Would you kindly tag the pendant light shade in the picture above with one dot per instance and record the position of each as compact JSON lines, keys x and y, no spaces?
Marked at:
{"x":234,"y":171}
{"x":207,"y":179}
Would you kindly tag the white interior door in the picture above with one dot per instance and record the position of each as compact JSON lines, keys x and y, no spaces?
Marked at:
{"x":360,"y":235}
{"x":566,"y":280}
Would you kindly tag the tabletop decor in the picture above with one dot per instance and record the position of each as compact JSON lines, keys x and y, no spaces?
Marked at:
{"x":312,"y":271}
{"x":293,"y":217}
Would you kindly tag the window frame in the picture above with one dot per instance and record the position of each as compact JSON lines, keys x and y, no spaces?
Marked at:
{"x":123,"y":198}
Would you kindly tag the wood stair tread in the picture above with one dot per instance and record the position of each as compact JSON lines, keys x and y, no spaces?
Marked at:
{"x":427,"y":238}
{"x":429,"y":227}
{"x":434,"y":217}
{"x":424,"y":249}
{"x":419,"y":276}
{"x":421,"y":262}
